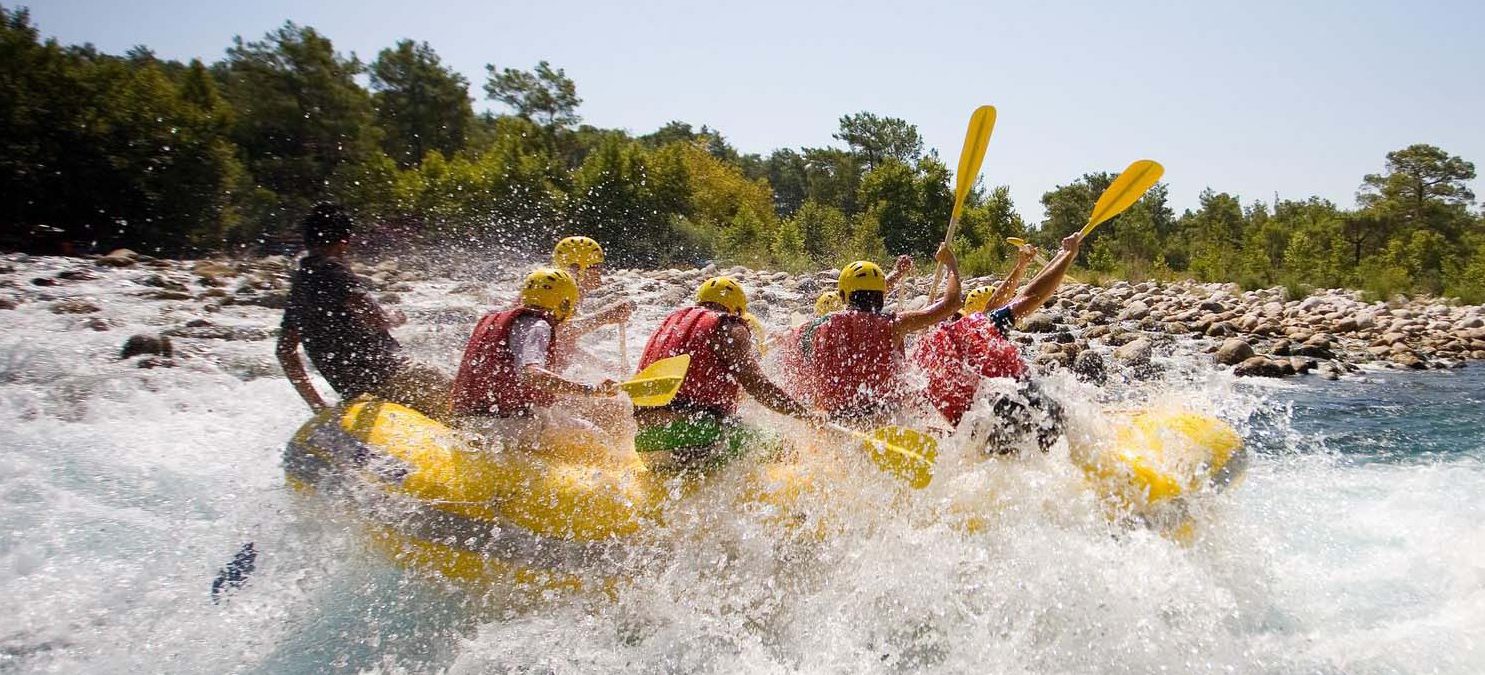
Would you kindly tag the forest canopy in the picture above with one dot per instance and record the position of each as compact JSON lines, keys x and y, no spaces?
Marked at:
{"x":100,"y":151}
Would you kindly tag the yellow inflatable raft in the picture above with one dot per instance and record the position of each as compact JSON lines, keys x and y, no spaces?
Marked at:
{"x":438,"y":500}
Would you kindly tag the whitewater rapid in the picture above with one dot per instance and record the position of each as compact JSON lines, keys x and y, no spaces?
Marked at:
{"x":1356,"y":543}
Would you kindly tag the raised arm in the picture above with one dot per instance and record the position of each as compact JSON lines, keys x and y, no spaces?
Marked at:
{"x":903,"y":267}
{"x":548,"y":382}
{"x":914,"y":321}
{"x":1007,"y":288}
{"x":1045,"y":284}
{"x":288,"y":359}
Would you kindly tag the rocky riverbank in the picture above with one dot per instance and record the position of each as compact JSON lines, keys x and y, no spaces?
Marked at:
{"x":1125,"y":328}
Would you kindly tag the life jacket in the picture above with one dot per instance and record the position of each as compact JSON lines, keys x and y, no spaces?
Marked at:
{"x":956,"y":354}
{"x":487,"y":383}
{"x":853,"y":362}
{"x":709,"y":384}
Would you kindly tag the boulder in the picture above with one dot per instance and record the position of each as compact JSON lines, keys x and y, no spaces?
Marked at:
{"x":1039,"y":322}
{"x":1234,"y":351}
{"x":74,"y":306}
{"x":1136,"y":353}
{"x":44,"y":281}
{"x":1347,"y":325}
{"x":144,"y":343}
{"x":1220,"y":329}
{"x":77,"y":275}
{"x":122,"y":257}
{"x":1134,"y":311}
{"x":1258,"y":366}
{"x":8,"y":303}
{"x":1312,"y":351}
{"x":213,"y":332}
{"x":1089,"y":367}
{"x":1409,"y":360}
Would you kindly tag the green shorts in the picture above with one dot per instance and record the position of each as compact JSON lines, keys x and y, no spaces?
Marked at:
{"x":702,"y":442}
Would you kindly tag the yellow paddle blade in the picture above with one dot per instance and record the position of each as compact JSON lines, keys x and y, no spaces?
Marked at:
{"x":1124,"y":191}
{"x":976,"y":139}
{"x":900,"y":451}
{"x":1015,"y":241}
{"x":657,"y":384}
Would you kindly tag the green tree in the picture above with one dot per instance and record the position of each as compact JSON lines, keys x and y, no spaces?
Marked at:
{"x":823,"y":231}
{"x":876,"y":139}
{"x":421,"y":105}
{"x":1423,"y":186}
{"x":545,"y":96}
{"x":299,"y":115}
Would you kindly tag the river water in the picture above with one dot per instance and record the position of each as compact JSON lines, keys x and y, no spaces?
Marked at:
{"x":1356,"y":543}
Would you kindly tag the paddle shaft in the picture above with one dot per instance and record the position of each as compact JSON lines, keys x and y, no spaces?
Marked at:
{"x":938,"y":268}
{"x":624,"y":346}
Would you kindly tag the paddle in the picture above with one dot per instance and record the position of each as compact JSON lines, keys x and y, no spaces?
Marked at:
{"x":976,"y":139}
{"x":657,"y":385}
{"x":902,"y":452}
{"x":624,"y":346}
{"x":1124,"y":192}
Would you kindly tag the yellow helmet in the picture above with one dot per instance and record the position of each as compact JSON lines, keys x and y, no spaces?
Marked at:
{"x":579,"y":252}
{"x":551,"y":289}
{"x":977,"y":300}
{"x":725,"y":292}
{"x":862,"y":275}
{"x":828,"y":302}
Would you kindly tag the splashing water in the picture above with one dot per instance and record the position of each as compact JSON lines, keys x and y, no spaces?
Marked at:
{"x":1356,"y":543}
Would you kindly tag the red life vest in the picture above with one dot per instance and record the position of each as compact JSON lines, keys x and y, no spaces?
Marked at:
{"x":853,"y":361}
{"x":710,"y":384}
{"x":487,"y":383}
{"x":957,"y":354}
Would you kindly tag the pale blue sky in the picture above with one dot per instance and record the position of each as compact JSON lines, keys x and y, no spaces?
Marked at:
{"x":1252,"y":97}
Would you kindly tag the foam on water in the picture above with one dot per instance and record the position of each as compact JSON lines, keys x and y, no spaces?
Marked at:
{"x":1356,"y":543}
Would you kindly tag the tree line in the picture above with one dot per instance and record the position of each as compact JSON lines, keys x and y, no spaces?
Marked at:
{"x":178,"y":158}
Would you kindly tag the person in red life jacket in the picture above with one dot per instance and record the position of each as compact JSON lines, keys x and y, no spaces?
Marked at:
{"x":700,"y":429}
{"x":583,"y":258}
{"x":960,"y":354}
{"x":506,"y":372}
{"x":851,"y":360}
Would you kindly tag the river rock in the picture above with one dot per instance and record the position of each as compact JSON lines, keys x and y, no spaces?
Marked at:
{"x":78,"y":274}
{"x":1089,"y":367}
{"x":144,"y":343}
{"x":122,"y":257}
{"x":1136,"y":353}
{"x":1134,"y":311}
{"x":1312,"y":351}
{"x":8,"y":303}
{"x":74,"y":306}
{"x":1409,"y":360}
{"x":1234,"y":351}
{"x":1258,"y":366}
{"x":1038,"y":322}
{"x":214,"y":332}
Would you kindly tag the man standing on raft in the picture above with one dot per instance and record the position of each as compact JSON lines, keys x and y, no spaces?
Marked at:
{"x":507,"y":382}
{"x":344,"y":331}
{"x":700,"y":429}
{"x":850,"y":361}
{"x":959,"y":353}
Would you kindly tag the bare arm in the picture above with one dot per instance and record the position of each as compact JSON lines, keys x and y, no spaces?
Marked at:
{"x":1007,"y":289}
{"x":288,"y":358}
{"x":577,"y":327}
{"x":548,"y":382}
{"x":914,"y":321}
{"x":903,"y":268}
{"x":1045,"y":284}
{"x":735,"y":348}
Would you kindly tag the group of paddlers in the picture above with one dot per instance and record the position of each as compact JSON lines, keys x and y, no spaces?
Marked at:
{"x":849,"y":364}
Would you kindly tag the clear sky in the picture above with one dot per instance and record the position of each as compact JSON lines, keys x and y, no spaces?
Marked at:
{"x":1255,"y":98}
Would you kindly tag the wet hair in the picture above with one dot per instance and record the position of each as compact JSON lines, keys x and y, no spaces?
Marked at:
{"x":867,"y":301}
{"x":326,"y":225}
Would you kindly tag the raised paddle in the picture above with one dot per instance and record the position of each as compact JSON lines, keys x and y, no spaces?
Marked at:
{"x":976,"y":139}
{"x":902,"y":452}
{"x":1127,"y":189}
{"x":657,"y":385}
